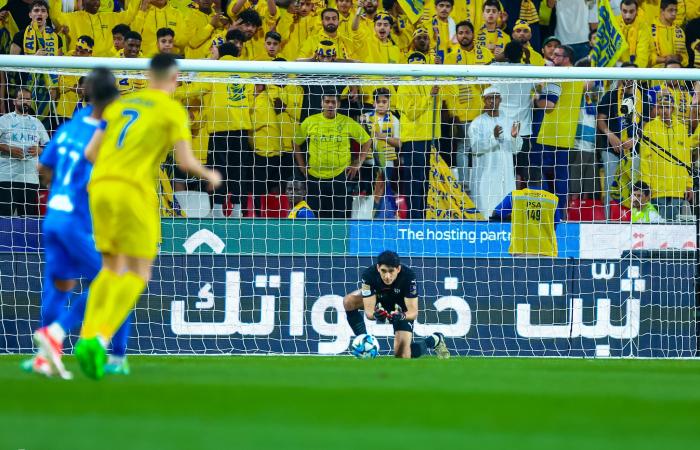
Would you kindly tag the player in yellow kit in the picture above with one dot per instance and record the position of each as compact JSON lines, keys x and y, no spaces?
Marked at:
{"x":141,"y":130}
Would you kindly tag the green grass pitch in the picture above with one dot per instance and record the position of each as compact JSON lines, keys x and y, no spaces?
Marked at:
{"x":337,"y":403}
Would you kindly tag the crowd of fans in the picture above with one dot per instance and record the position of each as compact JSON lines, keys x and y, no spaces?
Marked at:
{"x":617,"y":145}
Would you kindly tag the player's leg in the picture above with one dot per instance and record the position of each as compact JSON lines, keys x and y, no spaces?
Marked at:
{"x":402,"y":343}
{"x":435,"y":341}
{"x":117,"y":363}
{"x":352,"y":303}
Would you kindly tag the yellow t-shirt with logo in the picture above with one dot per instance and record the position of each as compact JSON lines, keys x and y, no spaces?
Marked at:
{"x":464,"y":100}
{"x":329,"y":143}
{"x":532,"y":223}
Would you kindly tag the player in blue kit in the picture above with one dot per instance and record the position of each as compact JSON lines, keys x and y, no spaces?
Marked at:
{"x":69,"y":245}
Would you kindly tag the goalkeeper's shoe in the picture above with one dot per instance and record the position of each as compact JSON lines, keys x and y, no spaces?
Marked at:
{"x":53,"y":349}
{"x":92,"y":357}
{"x":441,"y":347}
{"x":117,"y":366}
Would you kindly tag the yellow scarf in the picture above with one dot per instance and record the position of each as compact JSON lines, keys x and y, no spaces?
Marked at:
{"x":528,"y":12}
{"x":35,"y":40}
{"x":631,"y":33}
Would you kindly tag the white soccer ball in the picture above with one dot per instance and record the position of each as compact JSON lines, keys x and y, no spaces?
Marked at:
{"x":365,"y":346}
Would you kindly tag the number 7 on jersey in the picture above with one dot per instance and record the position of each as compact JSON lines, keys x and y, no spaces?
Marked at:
{"x":131,"y":115}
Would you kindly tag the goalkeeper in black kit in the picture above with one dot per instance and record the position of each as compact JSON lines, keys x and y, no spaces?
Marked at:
{"x":389,"y":293}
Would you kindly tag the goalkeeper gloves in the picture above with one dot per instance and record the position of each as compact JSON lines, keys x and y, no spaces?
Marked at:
{"x":397,"y":315}
{"x":380,"y":314}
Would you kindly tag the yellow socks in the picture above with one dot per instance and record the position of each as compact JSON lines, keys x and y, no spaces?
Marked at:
{"x":126,"y":293}
{"x":101,"y":289}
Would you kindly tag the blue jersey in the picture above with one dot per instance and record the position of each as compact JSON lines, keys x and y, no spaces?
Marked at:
{"x":65,"y":155}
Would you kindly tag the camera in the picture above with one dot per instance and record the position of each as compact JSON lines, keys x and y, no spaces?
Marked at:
{"x":627,"y":106}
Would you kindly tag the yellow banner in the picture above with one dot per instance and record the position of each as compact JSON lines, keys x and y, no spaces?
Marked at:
{"x":446,"y":199}
{"x":412,"y":8}
{"x":610,"y":43}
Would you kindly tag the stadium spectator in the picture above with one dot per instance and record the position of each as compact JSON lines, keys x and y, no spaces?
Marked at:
{"x":522,"y":33}
{"x":288,"y":108}
{"x":20,"y":11}
{"x":557,"y":133}
{"x":38,"y":38}
{"x":637,"y":34}
{"x":490,"y":35}
{"x":403,"y":29}
{"x":69,"y":93}
{"x":619,"y":118}
{"x":575,"y":19}
{"x":421,"y":43}
{"x":329,"y":22}
{"x":273,"y":44}
{"x":465,"y":100}
{"x":132,"y":49}
{"x":549,"y":45}
{"x":296,"y":192}
{"x":363,"y":23}
{"x":444,"y":28}
{"x":516,"y":105}
{"x":118,"y":33}
{"x":665,"y":160}
{"x":166,"y":40}
{"x":582,"y":158}
{"x":155,"y":14}
{"x":682,"y":97}
{"x":347,"y":16}
{"x":327,"y":163}
{"x":249,"y":23}
{"x":237,"y":38}
{"x":209,"y":30}
{"x":494,"y":140}
{"x":667,"y":38}
{"x":90,"y":21}
{"x":526,"y":11}
{"x":227,"y":109}
{"x":418,"y":106}
{"x":384,"y":128}
{"x":298,"y":25}
{"x":22,"y":138}
{"x":378,"y":47}
{"x":266,"y":142}
{"x":643,"y":211}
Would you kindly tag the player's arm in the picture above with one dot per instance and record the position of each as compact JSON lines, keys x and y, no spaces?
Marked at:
{"x":93,"y":148}
{"x":186,"y":161}
{"x":411,"y":308}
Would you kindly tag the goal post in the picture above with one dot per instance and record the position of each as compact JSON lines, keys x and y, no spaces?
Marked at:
{"x":615,"y":150}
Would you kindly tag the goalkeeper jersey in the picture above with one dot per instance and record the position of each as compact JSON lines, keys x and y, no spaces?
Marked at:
{"x":390,"y":295}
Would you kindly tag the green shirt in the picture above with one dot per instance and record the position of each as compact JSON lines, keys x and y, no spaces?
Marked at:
{"x":648,"y":214}
{"x":329,"y":143}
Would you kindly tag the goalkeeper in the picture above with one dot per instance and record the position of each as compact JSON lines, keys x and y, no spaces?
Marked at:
{"x":389,"y":293}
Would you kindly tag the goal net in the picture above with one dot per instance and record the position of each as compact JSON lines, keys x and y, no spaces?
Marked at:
{"x":545,"y":211}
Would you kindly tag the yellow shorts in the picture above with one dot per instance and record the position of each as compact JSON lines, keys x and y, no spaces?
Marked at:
{"x":126,"y":221}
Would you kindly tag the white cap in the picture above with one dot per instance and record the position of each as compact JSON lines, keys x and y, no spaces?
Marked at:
{"x":490,"y":91}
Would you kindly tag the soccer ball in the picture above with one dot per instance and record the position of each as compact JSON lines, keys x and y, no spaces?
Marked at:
{"x":365,"y":346}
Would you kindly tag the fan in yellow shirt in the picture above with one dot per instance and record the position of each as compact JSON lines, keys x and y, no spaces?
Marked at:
{"x":464,"y":100}
{"x":141,"y":130}
{"x":296,"y":26}
{"x":443,"y":27}
{"x":667,"y":39}
{"x":327,"y":164}
{"x":637,"y":35}
{"x":132,"y":49}
{"x":490,"y":35}
{"x":363,"y":23}
{"x":378,"y":47}
{"x":156,"y":14}
{"x":205,"y":21}
{"x":70,"y":91}
{"x":523,"y":33}
{"x":92,"y":22}
{"x":330,"y":19}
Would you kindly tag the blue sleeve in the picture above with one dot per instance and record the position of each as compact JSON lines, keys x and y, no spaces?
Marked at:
{"x":505,"y":208}
{"x":557,"y":216}
{"x":49,"y":155}
{"x":305,"y":214}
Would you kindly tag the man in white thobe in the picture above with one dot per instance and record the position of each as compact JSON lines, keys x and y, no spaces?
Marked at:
{"x":494,"y":140}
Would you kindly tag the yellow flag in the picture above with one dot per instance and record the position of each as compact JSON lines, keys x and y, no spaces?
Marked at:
{"x":446,"y":199}
{"x":610,"y":42}
{"x":412,"y":8}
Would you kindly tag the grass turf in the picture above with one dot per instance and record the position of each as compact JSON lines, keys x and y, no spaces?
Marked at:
{"x":342,"y":403}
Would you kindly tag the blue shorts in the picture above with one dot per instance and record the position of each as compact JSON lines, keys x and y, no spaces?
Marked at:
{"x":69,"y":251}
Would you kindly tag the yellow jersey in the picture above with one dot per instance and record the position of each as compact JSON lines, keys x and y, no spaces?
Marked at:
{"x":420,"y":112}
{"x":150,"y":21}
{"x":387,"y":124}
{"x":532,"y":223}
{"x":638,"y":37}
{"x":329,"y":143}
{"x":664,"y":168}
{"x":559,"y":124}
{"x":266,"y":138}
{"x":498,"y":38}
{"x":464,"y":100}
{"x":292,"y":97}
{"x":665,"y":41}
{"x":141,"y":130}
